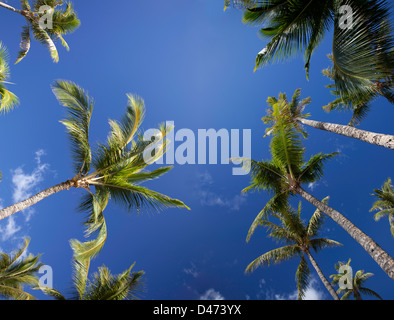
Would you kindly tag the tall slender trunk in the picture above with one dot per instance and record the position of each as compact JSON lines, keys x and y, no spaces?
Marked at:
{"x":383,"y":140}
{"x":6,"y":212}
{"x":4,"y":5}
{"x":326,"y":283}
{"x":382,"y":258}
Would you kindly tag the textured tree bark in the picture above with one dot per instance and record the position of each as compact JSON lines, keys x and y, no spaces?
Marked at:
{"x":383,"y":140}
{"x":4,"y":5}
{"x":382,"y":258}
{"x":6,"y":212}
{"x":326,"y":283}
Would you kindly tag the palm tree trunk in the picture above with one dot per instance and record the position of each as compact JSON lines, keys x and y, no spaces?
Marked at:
{"x":4,"y":5}
{"x":327,"y":284}
{"x":382,"y":258}
{"x":6,"y":212}
{"x":383,"y":140}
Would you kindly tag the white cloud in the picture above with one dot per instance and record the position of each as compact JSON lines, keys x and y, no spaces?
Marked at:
{"x":311,"y":293}
{"x":211,"y":294}
{"x":24,"y":183}
{"x":192,"y":271}
{"x":312,"y":185}
{"x":23,"y":186}
{"x":9,"y":230}
{"x":210,"y":198}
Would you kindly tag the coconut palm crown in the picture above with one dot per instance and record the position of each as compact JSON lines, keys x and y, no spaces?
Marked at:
{"x":283,"y":176}
{"x":385,"y":203}
{"x":300,"y":239}
{"x":362,"y":56}
{"x":356,"y":287}
{"x":8,"y":100}
{"x":47,"y":21}
{"x":17,"y":270}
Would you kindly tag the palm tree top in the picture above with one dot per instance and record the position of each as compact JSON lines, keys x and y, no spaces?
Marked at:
{"x":102,"y":285}
{"x":362,"y":64}
{"x":8,"y":100}
{"x":285,"y":172}
{"x":63,"y":21}
{"x":300,"y":238}
{"x":358,"y":280}
{"x":287,"y":112}
{"x":385,"y":203}
{"x":113,"y":170}
{"x":16,"y":270}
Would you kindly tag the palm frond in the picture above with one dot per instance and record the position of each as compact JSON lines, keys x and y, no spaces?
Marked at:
{"x":370,"y":292}
{"x":79,"y":107}
{"x":316,"y":221}
{"x":8,"y":100}
{"x":312,"y":171}
{"x":277,"y":203}
{"x":385,"y":203}
{"x":274,"y":256}
{"x":105,"y":286}
{"x":362,"y":54}
{"x":287,"y":149}
{"x":17,"y":271}
{"x":302,"y":278}
{"x":25,"y":43}
{"x":293,"y":27}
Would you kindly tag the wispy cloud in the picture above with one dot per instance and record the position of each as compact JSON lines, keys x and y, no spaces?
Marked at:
{"x":9,"y":230}
{"x":24,"y":183}
{"x":313,"y":292}
{"x":212,"y":198}
{"x":211,"y":294}
{"x":192,"y":271}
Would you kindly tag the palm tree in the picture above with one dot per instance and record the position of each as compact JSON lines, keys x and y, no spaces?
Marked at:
{"x":63,"y":22}
{"x":8,"y":100}
{"x":357,"y":285}
{"x":115,"y":169}
{"x":103,"y":285}
{"x":385,"y":204}
{"x":17,"y":271}
{"x":300,"y":238}
{"x":292,"y":112}
{"x":362,"y":56}
{"x":283,"y":177}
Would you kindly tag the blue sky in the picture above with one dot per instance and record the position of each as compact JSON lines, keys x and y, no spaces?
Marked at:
{"x":193,"y":64}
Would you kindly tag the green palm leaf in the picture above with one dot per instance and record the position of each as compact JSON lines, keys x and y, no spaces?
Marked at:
{"x":15,"y":272}
{"x":385,"y":203}
{"x":8,"y":100}
{"x":362,"y":55}
{"x":79,"y":107}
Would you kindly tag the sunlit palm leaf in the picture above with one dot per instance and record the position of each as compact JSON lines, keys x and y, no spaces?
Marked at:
{"x":385,"y":203}
{"x":79,"y":107}
{"x":362,"y":54}
{"x":17,"y":271}
{"x":8,"y":100}
{"x":25,"y":43}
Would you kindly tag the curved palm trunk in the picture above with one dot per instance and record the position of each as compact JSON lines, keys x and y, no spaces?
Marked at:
{"x":379,"y":139}
{"x":4,"y":5}
{"x":6,"y":212}
{"x":327,"y":284}
{"x":382,"y":258}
